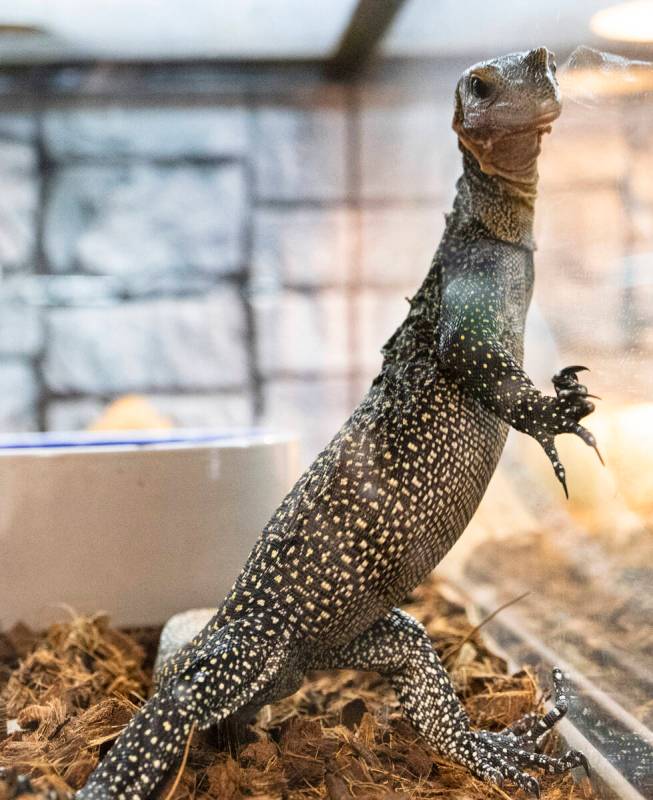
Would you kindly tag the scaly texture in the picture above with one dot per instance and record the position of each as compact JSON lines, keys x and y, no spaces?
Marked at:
{"x":399,"y":482}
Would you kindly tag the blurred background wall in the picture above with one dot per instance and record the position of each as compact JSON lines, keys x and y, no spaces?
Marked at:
{"x":237,"y":244}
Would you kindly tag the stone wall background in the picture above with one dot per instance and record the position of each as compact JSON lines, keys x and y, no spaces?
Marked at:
{"x":237,"y":246}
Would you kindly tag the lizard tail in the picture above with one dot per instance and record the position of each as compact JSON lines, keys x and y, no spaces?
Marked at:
{"x":223,"y":672}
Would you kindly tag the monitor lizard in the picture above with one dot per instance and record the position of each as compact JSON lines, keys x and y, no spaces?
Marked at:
{"x":395,"y":488}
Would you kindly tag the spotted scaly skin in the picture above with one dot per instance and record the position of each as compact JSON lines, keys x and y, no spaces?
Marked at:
{"x":395,"y":488}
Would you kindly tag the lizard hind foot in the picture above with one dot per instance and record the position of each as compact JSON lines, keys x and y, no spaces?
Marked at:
{"x":510,"y":751}
{"x":500,"y":757}
{"x":495,"y":766}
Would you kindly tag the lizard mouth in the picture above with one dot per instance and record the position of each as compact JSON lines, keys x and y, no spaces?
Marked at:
{"x":540,"y":124}
{"x":544,"y":121}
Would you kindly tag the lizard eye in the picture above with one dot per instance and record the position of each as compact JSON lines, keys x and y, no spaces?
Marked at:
{"x":479,"y":87}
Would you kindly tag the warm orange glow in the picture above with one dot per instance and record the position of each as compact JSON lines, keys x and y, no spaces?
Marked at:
{"x":625,"y":22}
{"x":594,"y":82}
{"x":130,"y":412}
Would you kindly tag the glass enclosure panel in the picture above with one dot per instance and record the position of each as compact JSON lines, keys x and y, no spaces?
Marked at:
{"x":218,"y":245}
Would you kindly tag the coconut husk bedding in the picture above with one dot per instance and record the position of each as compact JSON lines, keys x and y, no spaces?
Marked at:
{"x":342,"y":736}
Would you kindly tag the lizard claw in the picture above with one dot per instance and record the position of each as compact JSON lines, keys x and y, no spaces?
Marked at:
{"x":584,"y":763}
{"x":566,"y":383}
{"x":589,"y":440}
{"x":563,"y":481}
{"x":574,"y":403}
{"x":598,"y":453}
{"x":571,"y":403}
{"x":549,"y":448}
{"x":569,"y":372}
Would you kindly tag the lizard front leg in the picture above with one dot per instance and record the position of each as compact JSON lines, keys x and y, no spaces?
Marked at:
{"x":471,"y":351}
{"x":399,"y":648}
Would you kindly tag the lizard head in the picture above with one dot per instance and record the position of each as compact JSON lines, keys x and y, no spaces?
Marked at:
{"x":503,"y":107}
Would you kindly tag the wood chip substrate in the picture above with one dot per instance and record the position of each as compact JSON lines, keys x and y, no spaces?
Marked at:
{"x":73,"y":688}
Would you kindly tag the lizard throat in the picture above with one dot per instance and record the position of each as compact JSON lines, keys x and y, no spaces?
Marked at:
{"x":512,"y":157}
{"x":499,"y":190}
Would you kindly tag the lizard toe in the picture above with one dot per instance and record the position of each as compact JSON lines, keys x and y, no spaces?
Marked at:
{"x":498,"y":765}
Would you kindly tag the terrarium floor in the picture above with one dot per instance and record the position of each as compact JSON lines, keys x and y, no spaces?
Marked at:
{"x":341,"y":736}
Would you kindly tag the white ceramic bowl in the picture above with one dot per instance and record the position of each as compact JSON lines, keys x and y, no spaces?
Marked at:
{"x":139,"y":525}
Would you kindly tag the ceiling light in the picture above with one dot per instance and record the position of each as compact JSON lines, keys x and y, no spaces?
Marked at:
{"x":626,"y":22}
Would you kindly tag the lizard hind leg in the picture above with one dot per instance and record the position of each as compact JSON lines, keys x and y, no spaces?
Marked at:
{"x":220,"y":673}
{"x":399,"y":648}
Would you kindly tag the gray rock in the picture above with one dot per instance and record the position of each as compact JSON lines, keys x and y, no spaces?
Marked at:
{"x":18,"y":203}
{"x":315,"y":410}
{"x":146,"y":223}
{"x":21,"y":330}
{"x":147,"y":132}
{"x":408,"y":149}
{"x":179,"y":630}
{"x":300,"y":153}
{"x":397,"y":244}
{"x":153,"y":345}
{"x":302,"y":248}
{"x":302,"y":333}
{"x":18,"y":397}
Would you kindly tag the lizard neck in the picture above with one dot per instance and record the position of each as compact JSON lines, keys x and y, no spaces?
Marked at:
{"x":501,"y":202}
{"x":495,"y":206}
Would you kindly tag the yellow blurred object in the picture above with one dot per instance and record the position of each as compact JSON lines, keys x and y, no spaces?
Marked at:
{"x":631,"y":455}
{"x":618,"y":497}
{"x":131,"y":412}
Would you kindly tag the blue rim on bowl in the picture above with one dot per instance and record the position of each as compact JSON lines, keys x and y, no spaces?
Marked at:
{"x":138,"y":439}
